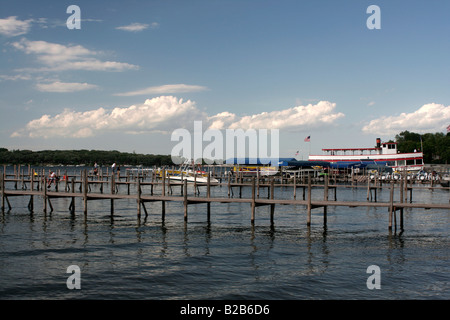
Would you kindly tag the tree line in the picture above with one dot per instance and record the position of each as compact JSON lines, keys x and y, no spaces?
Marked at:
{"x":435,"y":146}
{"x":81,"y":157}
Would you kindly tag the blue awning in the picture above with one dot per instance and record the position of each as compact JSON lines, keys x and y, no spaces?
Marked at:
{"x":260,"y":161}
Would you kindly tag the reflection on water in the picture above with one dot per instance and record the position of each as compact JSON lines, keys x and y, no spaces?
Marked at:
{"x":122,"y":256}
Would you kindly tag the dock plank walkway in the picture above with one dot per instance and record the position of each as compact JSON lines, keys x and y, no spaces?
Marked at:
{"x":166,"y":195}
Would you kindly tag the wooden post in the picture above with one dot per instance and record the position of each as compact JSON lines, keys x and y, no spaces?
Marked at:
{"x":295,"y":185}
{"x":3,"y":190}
{"x":402,"y":181}
{"x":368,"y":187}
{"x":208,"y":194}
{"x":253,"y":201}
{"x":229,"y":183}
{"x":163,"y":203}
{"x":272,"y":205}
{"x":208,"y":185}
{"x":139,"y":197}
{"x":406,"y":186}
{"x":44,"y":191}
{"x":164,"y":182}
{"x":182,"y":179}
{"x":308,"y":219}
{"x":391,"y":205}
{"x":85,"y":189}
{"x":325,"y":198}
{"x":257,"y":181}
{"x":113,"y":182}
{"x":185,"y":201}
{"x":72,"y":204}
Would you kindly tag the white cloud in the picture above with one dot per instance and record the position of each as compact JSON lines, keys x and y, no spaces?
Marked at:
{"x":12,"y":27}
{"x":134,"y":27}
{"x":167,"y":113}
{"x":137,"y":27}
{"x":58,"y":86}
{"x":15,"y":77}
{"x":296,"y":118}
{"x":307,"y":116}
{"x":58,"y":57}
{"x":169,"y":88}
{"x":162,"y":114}
{"x":431,"y":117}
{"x":221,"y":120}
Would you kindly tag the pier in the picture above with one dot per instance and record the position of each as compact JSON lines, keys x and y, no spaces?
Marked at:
{"x":112,"y":187}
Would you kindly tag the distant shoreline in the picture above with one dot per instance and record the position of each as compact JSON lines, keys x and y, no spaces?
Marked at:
{"x":78,"y":157}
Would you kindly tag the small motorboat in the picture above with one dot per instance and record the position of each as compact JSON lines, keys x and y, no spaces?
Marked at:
{"x":445,"y":181}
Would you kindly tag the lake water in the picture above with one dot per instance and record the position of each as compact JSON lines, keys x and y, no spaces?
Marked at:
{"x":228,"y":258}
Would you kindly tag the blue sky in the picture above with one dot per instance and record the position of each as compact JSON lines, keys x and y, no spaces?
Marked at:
{"x":137,"y":70}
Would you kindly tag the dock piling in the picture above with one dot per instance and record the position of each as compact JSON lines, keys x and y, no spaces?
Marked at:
{"x":309,"y":206}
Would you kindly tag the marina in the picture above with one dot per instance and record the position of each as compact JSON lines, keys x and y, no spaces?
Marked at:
{"x":306,"y":190}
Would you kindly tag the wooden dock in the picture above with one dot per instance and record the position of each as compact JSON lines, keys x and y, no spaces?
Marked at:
{"x":80,"y":187}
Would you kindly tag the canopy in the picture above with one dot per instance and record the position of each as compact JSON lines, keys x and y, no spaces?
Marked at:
{"x":260,"y":161}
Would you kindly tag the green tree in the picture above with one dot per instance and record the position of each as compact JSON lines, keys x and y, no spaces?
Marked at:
{"x":436,"y":146}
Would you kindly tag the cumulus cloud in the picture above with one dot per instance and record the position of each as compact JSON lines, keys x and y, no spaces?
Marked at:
{"x":300,"y":116}
{"x":168,"y":88}
{"x":11,"y":27}
{"x":292,"y":118}
{"x":430,"y":117}
{"x":162,"y":114}
{"x":58,"y":86}
{"x":167,"y":113}
{"x":58,"y":57}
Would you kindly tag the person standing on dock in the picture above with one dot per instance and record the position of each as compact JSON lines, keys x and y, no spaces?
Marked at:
{"x":51,"y":179}
{"x":96,"y":169}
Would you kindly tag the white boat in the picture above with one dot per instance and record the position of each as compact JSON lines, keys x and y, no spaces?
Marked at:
{"x":191,"y":175}
{"x":192,"y":178}
{"x":383,"y":153}
{"x":248,"y":170}
{"x":445,"y":181}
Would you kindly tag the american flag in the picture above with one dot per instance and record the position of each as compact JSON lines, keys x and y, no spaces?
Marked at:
{"x":296,"y":153}
{"x":308,"y":139}
{"x":448,"y":128}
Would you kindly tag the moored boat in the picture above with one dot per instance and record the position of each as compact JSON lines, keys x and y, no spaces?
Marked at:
{"x":445,"y":181}
{"x":189,"y":173}
{"x":385,"y":153}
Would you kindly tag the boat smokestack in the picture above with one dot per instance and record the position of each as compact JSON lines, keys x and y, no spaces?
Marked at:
{"x":378,"y":143}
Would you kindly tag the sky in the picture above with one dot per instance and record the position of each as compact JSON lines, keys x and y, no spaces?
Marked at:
{"x":136,"y":71}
